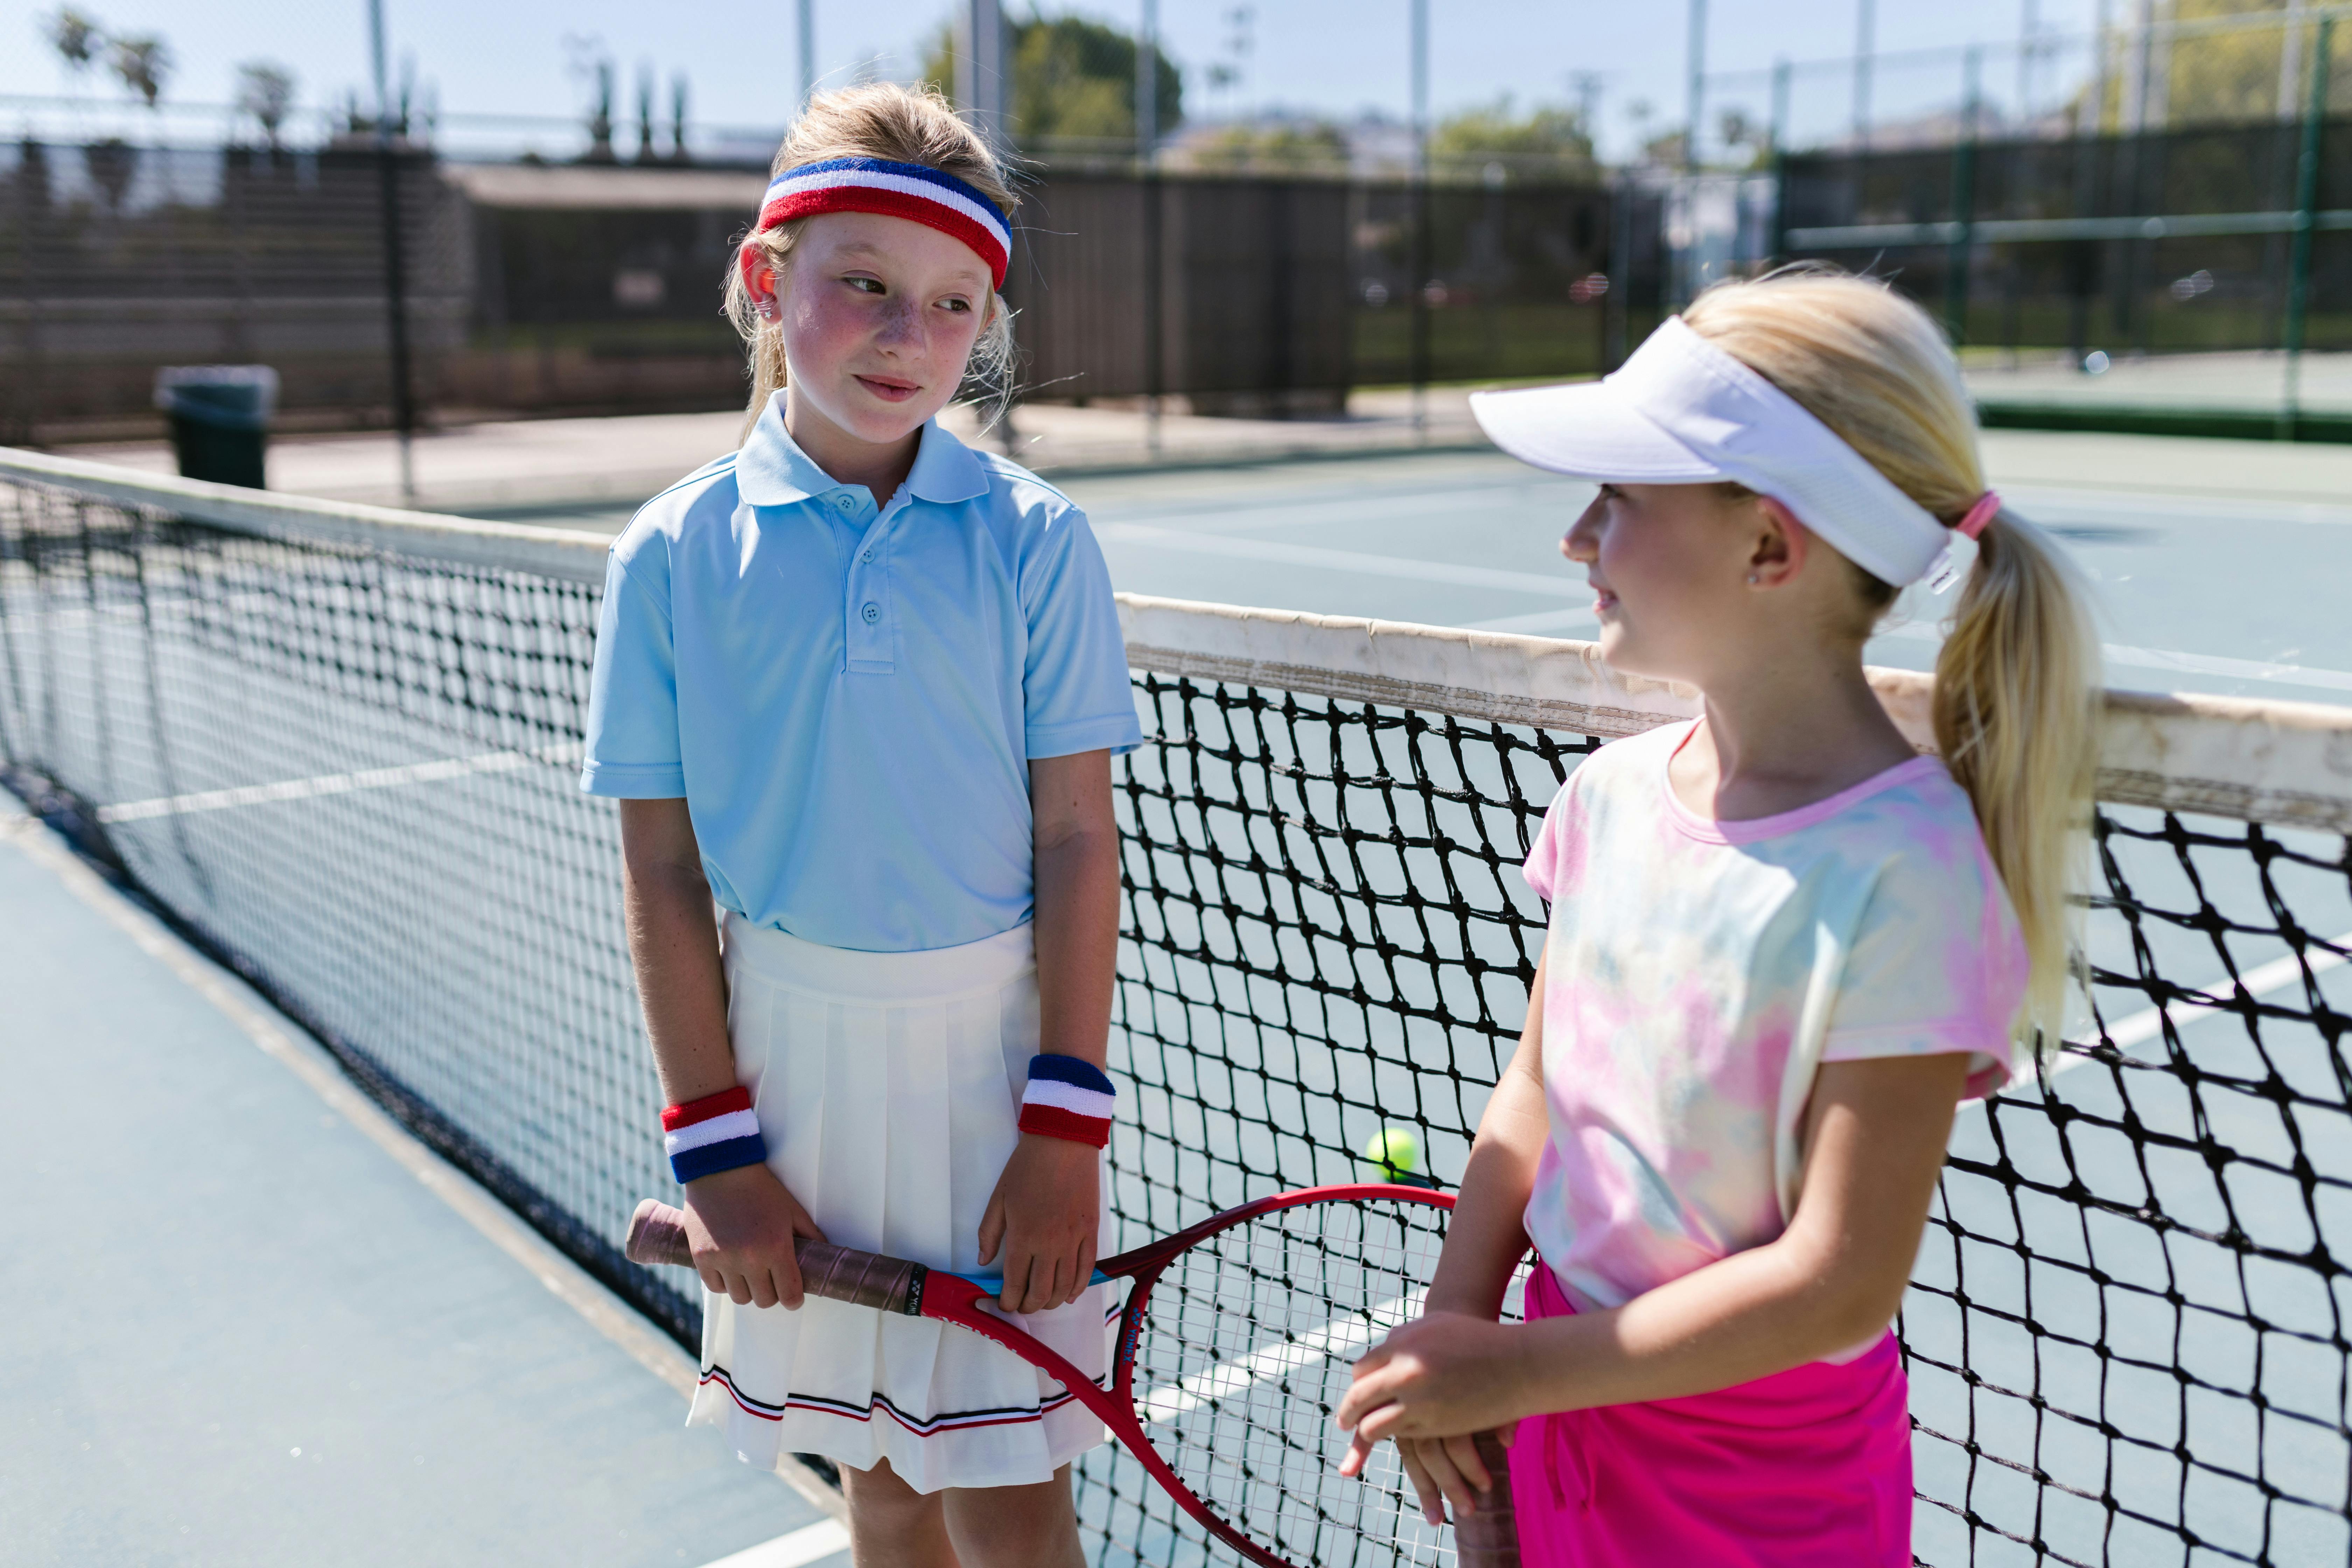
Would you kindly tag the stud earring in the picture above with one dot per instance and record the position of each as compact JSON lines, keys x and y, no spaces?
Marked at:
{"x":1751,"y":578}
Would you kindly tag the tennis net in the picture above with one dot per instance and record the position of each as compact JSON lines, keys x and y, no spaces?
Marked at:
{"x":337,"y":747}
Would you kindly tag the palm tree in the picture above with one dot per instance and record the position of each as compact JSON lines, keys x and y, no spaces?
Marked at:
{"x":76,"y":37}
{"x":265,"y":91}
{"x":142,"y":61}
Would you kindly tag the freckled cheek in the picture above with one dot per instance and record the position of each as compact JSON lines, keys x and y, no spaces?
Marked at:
{"x":825,"y":331}
{"x":953,"y":335}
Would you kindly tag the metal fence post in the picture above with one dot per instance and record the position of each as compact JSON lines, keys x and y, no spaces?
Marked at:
{"x":1964,"y":206}
{"x":2306,"y":205}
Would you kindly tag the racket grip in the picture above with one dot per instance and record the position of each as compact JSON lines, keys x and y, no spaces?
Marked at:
{"x":658,"y":1236}
{"x":1486,"y":1534}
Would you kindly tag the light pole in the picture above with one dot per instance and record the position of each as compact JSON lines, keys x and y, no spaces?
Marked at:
{"x":1865,"y":44}
{"x":1147,"y":157}
{"x":1420,"y":240}
{"x":395,"y":269}
{"x":2290,"y":80}
{"x":1695,"y":96}
{"x":980,"y":70}
{"x":2028,"y":25}
{"x":2142,"y":68}
{"x":808,"y":52}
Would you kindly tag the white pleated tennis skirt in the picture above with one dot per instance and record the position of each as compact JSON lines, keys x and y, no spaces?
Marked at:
{"x":887,"y":1086}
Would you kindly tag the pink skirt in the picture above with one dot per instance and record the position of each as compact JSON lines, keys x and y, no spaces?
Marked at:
{"x":1807,"y":1468}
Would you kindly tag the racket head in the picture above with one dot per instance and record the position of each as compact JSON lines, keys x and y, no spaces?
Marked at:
{"x":1235,"y":1348}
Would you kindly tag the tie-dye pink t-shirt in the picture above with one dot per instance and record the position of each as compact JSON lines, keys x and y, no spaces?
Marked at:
{"x":1698,"y":973}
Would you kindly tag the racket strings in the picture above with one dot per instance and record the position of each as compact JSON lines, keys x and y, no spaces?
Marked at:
{"x":1244,"y":1353}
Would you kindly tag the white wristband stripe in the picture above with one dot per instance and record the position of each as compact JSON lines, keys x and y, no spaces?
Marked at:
{"x":717,"y":1129}
{"x":1070,"y":1097}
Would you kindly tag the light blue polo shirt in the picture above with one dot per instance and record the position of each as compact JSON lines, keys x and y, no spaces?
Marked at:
{"x":848,"y":698}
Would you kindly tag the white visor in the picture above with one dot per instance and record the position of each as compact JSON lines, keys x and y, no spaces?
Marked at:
{"x":1681,"y":411}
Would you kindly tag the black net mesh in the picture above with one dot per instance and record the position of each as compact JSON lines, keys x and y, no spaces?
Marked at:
{"x":351,"y":776}
{"x":1243,"y":1355}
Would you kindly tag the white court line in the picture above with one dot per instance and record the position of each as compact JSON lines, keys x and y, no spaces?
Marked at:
{"x":1224,"y":1379}
{"x":2259,"y":981}
{"x":1411,"y":569}
{"x":2188,"y":663}
{"x":797,"y":1549}
{"x":336,"y":784}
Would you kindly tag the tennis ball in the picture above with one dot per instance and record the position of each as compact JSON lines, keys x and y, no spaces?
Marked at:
{"x":1395,"y":1151}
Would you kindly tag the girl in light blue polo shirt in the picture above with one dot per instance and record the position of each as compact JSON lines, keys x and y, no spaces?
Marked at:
{"x":860,"y":685}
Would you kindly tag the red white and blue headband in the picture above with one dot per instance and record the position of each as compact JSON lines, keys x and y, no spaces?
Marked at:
{"x":914,"y":192}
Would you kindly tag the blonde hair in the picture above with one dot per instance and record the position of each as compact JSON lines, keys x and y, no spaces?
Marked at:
{"x":2016,"y":681}
{"x":901,"y":125}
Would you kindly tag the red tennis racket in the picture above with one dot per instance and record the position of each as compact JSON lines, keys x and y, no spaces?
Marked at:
{"x":1234,"y":1348}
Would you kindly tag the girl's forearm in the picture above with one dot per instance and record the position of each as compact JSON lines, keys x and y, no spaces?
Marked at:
{"x":1076,"y":867}
{"x":1748,"y":1316}
{"x":1830,"y":1281}
{"x":1487,"y":1236}
{"x":674,"y":946}
{"x":1078,"y":943}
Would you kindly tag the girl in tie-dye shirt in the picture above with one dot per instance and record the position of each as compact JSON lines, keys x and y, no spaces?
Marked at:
{"x":1782,"y":947}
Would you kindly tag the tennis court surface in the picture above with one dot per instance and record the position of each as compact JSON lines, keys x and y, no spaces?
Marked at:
{"x":297,"y":728}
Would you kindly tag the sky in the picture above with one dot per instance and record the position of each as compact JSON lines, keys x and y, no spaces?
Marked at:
{"x":1328,"y":56}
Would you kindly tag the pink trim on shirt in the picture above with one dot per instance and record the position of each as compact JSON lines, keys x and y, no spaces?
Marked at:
{"x":1752,"y":829}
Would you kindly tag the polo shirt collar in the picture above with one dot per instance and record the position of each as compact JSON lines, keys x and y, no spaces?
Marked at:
{"x":773,"y":470}
{"x":945,"y":469}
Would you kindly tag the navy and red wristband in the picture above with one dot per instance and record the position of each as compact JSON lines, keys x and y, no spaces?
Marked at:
{"x":1069,"y":1098}
{"x":715,"y":1133}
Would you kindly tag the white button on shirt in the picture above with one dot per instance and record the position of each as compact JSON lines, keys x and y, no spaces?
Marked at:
{"x":848,"y":698}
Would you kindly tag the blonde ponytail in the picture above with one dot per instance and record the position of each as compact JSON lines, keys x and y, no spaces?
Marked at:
{"x":2015,"y":721}
{"x":2017,"y":679}
{"x":901,"y":125}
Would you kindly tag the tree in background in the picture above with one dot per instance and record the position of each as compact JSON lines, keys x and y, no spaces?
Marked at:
{"x":1547,"y":139}
{"x":141,"y":62}
{"x":1072,"y":79}
{"x":76,"y":37}
{"x":1274,"y":146}
{"x":2205,"y":78}
{"x":264,"y":89}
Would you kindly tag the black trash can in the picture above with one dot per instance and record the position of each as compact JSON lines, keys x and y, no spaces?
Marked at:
{"x":220,"y":420}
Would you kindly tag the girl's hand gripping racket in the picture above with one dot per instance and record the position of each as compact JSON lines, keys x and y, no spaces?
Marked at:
{"x":1234,"y":1348}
